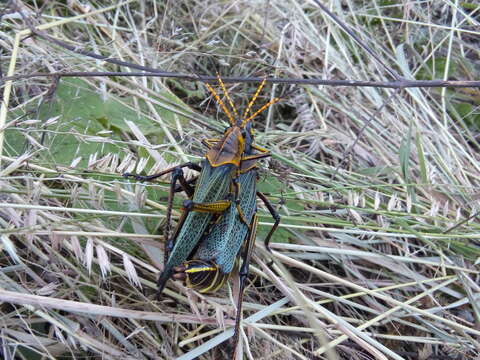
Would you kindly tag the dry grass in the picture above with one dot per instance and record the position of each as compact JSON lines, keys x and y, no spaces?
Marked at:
{"x":367,"y":264}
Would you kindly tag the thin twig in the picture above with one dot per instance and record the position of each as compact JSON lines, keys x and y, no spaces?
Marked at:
{"x":397,"y":84}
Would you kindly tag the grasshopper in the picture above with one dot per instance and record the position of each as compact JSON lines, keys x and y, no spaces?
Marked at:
{"x":220,"y":214}
{"x":217,"y":254}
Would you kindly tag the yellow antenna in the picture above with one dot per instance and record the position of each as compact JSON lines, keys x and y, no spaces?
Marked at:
{"x":263,"y":108}
{"x":219,"y":101}
{"x":250,"y":104}
{"x":227,"y":95}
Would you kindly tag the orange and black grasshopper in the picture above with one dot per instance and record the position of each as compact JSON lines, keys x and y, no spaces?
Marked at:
{"x":220,"y":215}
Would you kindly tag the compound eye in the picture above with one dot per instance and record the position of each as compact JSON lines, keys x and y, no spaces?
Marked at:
{"x":226,"y":129}
{"x":244,"y":133}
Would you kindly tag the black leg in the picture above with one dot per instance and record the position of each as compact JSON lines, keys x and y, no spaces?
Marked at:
{"x":236,"y":186}
{"x":243,"y":273}
{"x":185,"y":185}
{"x":275,"y":215}
{"x":190,"y":185}
{"x":177,"y":173}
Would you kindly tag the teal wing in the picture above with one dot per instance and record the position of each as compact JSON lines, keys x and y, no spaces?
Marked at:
{"x":212,"y":185}
{"x":224,"y":240}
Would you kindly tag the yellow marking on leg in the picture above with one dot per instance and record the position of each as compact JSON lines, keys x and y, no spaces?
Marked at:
{"x":239,"y":209}
{"x":242,"y":215}
{"x":199,"y":269}
{"x":220,"y":284}
{"x":216,"y":207}
{"x":255,"y":156}
{"x":207,"y":289}
{"x":259,"y":148}
{"x":210,"y":142}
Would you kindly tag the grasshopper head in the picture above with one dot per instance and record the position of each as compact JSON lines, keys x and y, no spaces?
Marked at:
{"x":237,"y":139}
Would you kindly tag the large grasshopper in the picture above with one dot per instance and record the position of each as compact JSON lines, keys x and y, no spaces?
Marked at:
{"x":220,"y":215}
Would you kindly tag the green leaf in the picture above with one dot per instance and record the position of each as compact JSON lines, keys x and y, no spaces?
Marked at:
{"x":421,"y":158}
{"x":83,"y":111}
{"x":404,"y":154}
{"x":271,"y":185}
{"x":469,"y":113}
{"x":434,"y":68}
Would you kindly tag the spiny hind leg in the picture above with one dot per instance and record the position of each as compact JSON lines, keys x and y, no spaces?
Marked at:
{"x":177,"y":183}
{"x":243,"y":274}
{"x":275,"y":216}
